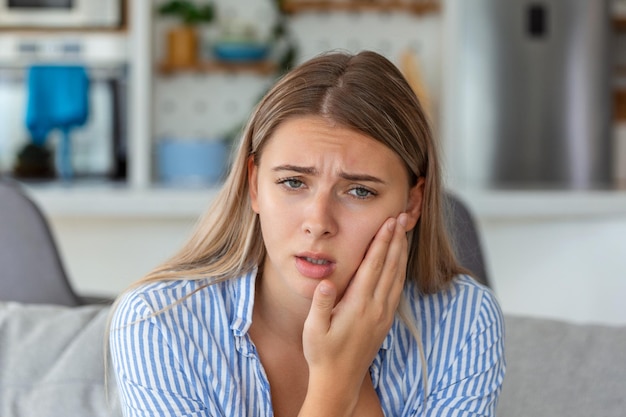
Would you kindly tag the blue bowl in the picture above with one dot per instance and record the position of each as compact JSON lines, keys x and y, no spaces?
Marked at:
{"x":240,"y":51}
{"x":192,"y":162}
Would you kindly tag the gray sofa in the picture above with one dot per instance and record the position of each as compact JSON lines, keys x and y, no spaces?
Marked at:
{"x":51,"y":364}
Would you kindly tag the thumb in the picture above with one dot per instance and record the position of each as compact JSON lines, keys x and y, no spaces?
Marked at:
{"x":322,"y":304}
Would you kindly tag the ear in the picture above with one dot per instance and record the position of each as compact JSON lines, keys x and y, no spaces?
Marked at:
{"x":253,"y":184}
{"x":414,"y":205}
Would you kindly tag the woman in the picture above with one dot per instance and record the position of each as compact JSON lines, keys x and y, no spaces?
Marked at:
{"x":321,"y":281}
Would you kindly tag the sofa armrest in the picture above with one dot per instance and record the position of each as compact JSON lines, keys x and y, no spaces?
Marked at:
{"x":52,"y":361}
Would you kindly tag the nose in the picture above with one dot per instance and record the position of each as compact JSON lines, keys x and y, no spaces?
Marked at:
{"x":319,"y":216}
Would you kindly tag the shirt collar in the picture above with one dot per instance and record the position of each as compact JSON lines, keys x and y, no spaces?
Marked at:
{"x":388,"y":341}
{"x":242,"y":293}
{"x":242,"y":296}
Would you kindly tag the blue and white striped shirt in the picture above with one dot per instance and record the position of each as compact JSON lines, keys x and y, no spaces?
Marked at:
{"x":197,"y":359}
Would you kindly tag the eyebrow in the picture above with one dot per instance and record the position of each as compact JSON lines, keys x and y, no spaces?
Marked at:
{"x":313,"y":171}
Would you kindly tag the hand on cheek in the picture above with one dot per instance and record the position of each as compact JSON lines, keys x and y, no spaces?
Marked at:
{"x":340,"y":341}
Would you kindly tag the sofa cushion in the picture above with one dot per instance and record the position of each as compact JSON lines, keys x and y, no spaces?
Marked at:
{"x":563,"y":369}
{"x":52,"y":363}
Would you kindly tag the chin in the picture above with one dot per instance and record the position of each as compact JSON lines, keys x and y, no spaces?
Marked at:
{"x":307,"y":290}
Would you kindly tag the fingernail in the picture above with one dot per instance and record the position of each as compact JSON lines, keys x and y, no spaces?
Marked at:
{"x":325,"y":289}
{"x":403,"y":219}
{"x":391,"y":224}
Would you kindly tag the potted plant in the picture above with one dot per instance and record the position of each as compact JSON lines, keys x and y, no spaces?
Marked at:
{"x":182,"y":46}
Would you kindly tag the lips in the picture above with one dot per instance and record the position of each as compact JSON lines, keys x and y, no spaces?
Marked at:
{"x":315,"y":266}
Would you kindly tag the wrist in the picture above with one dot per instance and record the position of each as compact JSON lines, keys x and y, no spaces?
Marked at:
{"x":328,"y":396}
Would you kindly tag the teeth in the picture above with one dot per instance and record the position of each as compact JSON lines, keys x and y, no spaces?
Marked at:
{"x":317,"y":261}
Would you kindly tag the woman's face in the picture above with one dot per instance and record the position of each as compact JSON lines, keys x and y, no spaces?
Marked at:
{"x":321,"y":192}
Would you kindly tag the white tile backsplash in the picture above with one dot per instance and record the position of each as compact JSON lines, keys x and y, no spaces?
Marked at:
{"x":210,"y":104}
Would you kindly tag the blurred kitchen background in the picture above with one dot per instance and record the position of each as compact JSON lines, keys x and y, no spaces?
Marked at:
{"x":528,"y":98}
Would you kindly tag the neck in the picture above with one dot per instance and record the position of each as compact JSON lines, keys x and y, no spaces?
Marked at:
{"x":277,"y":314}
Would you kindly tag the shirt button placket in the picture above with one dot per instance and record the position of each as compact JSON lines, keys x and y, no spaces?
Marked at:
{"x":263,"y":386}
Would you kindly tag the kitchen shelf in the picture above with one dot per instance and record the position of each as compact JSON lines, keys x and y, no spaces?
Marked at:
{"x":260,"y":68}
{"x":544,"y":205}
{"x":416,"y":7}
{"x":36,"y":30}
{"x":116,"y":201}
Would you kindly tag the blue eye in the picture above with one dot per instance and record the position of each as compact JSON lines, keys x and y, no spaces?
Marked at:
{"x":361,"y":192}
{"x":291,"y":183}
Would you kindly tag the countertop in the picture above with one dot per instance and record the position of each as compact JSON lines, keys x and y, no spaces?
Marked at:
{"x":111,"y":201}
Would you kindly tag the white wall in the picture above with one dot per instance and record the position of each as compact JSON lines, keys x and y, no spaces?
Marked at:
{"x":105,"y":255}
{"x":569,"y":269}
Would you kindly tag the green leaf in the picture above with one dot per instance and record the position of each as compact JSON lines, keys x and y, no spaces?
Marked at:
{"x":189,"y":12}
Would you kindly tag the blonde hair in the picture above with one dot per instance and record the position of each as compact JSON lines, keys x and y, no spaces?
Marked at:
{"x":364,"y":92}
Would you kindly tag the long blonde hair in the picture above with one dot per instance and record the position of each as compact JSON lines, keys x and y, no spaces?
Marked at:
{"x":364,"y":92}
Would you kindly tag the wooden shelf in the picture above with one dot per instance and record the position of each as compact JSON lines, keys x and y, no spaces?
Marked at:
{"x":260,"y":68}
{"x":416,"y":7}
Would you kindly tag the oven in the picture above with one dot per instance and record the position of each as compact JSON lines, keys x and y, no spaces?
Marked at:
{"x":90,"y":14}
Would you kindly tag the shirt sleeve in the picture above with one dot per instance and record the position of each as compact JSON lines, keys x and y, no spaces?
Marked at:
{"x":471,"y":384}
{"x":150,"y":379}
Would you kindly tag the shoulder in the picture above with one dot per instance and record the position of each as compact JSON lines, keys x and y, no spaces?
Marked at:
{"x":149,"y":299}
{"x":466,"y":306}
{"x":454,"y":337}
{"x":201,"y":298}
{"x":464,"y":292}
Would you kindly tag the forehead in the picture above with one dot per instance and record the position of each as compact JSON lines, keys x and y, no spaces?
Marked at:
{"x":320,"y":132}
{"x":316,"y":141}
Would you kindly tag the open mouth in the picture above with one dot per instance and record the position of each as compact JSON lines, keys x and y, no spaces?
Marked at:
{"x":316,"y":261}
{"x":314,"y":267}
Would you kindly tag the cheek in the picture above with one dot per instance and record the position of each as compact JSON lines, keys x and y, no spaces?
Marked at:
{"x":277,"y":220}
{"x":357,"y":239}
{"x":360,"y":236}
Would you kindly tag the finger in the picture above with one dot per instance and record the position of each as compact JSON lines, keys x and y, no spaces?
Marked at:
{"x":394,"y":271}
{"x":373,"y":263}
{"x":322,"y":306}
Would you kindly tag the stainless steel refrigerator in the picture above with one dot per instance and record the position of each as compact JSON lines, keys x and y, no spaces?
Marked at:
{"x":529,"y":92}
